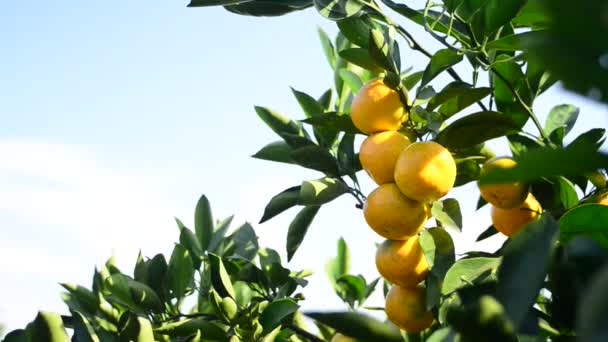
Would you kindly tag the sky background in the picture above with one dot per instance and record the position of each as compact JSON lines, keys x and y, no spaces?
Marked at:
{"x":117,"y":115}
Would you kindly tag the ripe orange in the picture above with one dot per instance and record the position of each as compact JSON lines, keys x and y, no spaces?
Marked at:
{"x":402,"y":262}
{"x":505,"y":195}
{"x":379,"y":153}
{"x":510,"y":221}
{"x":392,"y":215}
{"x":406,"y":308}
{"x":377,"y":108}
{"x":425,"y":171}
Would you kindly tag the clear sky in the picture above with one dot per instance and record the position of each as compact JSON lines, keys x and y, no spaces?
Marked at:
{"x":117,"y":115}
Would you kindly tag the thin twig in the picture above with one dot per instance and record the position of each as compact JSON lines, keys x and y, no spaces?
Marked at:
{"x":523,"y":104}
{"x":303,"y":333}
{"x":414,"y":45}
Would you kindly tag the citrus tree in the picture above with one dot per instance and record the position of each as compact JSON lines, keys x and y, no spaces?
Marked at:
{"x":421,"y":139}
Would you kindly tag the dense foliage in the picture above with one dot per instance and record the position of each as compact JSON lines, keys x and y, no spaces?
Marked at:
{"x":547,"y":282}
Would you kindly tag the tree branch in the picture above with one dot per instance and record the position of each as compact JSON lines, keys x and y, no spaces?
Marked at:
{"x":303,"y":333}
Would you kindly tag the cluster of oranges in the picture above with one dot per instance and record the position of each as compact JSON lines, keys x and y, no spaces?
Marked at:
{"x":410,"y":176}
{"x":513,"y":206}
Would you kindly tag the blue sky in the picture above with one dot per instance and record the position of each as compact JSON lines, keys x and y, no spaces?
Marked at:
{"x":117,"y":115}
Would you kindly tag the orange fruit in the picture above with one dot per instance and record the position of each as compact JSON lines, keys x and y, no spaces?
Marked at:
{"x":402,"y":262}
{"x":503,"y":195}
{"x":379,"y":153}
{"x":425,"y":171}
{"x":406,"y":308}
{"x":392,"y":215}
{"x":510,"y":221}
{"x":377,"y":108}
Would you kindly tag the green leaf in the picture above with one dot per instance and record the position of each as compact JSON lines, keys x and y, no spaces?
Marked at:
{"x":409,"y":81}
{"x":278,"y":151}
{"x":316,"y":158}
{"x":17,"y":335}
{"x":351,"y":79}
{"x":442,"y":335}
{"x":83,"y":331}
{"x":561,"y":116}
{"x":219,"y":233}
{"x":567,"y":193}
{"x":589,"y":220}
{"x":340,"y":265}
{"x":542,"y":162}
{"x":438,"y":249}
{"x":155,"y":275}
{"x":82,"y":297}
{"x":463,"y":92}
{"x":276,"y":312}
{"x":454,"y":28}
{"x":243,"y":243}
{"x":347,"y":159}
{"x":48,"y":327}
{"x":281,"y":202}
{"x":298,"y":228}
{"x":440,"y":61}
{"x":219,"y":277}
{"x":203,"y":222}
{"x":268,"y":8}
{"x":469,"y":271}
{"x":351,"y":288}
{"x":356,"y":30}
{"x":361,"y":58}
{"x":116,"y":289}
{"x":145,"y":332}
{"x":190,"y":242}
{"x":180,"y":271}
{"x":448,"y":213}
{"x":309,"y":104}
{"x":200,"y":3}
{"x":514,"y":42}
{"x":462,"y":101}
{"x":493,"y":15}
{"x":503,"y":96}
{"x":321,"y":191}
{"x":328,"y":48}
{"x":338,"y":122}
{"x":338,"y":9}
{"x":189,"y":326}
{"x":279,"y":123}
{"x":489,"y":232}
{"x":524,"y":266}
{"x":591,"y":323}
{"x":380,"y":51}
{"x":474,"y":129}
{"x":520,"y":144}
{"x":359,"y":326}
{"x":480,"y":317}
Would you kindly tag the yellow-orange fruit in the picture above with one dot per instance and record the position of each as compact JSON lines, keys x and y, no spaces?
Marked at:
{"x":603,"y":199}
{"x":392,"y":215}
{"x":503,"y":195}
{"x":379,"y":153}
{"x":511,"y":221}
{"x":425,"y":171}
{"x":406,"y":308}
{"x":377,"y":108}
{"x":402,"y":262}
{"x":342,"y":338}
